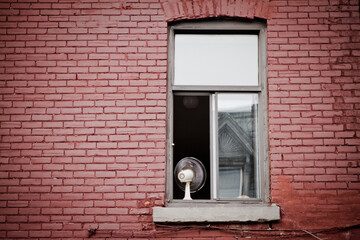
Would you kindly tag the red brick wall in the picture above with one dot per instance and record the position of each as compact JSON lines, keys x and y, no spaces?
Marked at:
{"x":83,"y":117}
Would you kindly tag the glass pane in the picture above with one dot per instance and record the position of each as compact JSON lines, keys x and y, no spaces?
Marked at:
{"x":216,"y":60}
{"x":237,"y":133}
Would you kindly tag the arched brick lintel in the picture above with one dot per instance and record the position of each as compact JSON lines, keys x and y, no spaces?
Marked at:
{"x":194,"y":9}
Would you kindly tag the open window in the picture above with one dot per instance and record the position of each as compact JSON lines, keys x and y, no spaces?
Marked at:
{"x":224,"y":138}
{"x":217,"y":113}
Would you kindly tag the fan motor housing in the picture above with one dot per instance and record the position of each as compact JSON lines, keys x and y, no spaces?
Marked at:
{"x":186,"y":175}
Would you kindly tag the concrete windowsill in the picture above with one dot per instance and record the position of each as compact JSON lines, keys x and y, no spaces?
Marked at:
{"x":221,"y":213}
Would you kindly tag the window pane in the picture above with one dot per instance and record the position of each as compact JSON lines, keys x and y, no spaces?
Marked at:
{"x":237,"y":136}
{"x":216,"y":59}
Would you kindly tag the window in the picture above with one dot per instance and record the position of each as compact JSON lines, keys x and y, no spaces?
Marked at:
{"x":217,"y":113}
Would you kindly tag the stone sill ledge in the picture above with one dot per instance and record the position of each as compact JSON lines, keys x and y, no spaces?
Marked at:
{"x":222,"y":213}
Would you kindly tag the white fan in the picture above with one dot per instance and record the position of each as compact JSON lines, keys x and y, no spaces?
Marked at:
{"x":190,"y":175}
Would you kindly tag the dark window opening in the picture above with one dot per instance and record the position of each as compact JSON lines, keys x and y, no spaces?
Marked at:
{"x":192,"y":137}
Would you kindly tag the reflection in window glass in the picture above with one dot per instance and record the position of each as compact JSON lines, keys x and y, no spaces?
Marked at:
{"x":216,"y":59}
{"x":237,"y":134}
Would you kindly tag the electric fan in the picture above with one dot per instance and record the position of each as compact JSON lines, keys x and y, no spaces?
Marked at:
{"x":190,"y":175}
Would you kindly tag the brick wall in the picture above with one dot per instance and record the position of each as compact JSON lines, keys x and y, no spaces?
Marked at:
{"x":83,"y":117}
{"x":314,"y":112}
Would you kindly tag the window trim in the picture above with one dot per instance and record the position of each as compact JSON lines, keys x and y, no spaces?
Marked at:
{"x":261,"y":89}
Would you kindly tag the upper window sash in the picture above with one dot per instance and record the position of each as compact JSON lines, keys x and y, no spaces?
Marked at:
{"x":204,"y":74}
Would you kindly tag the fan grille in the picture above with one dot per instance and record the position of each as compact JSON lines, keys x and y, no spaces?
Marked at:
{"x":199,"y":173}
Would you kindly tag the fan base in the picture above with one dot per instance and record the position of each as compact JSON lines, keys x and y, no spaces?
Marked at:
{"x":187,"y":192}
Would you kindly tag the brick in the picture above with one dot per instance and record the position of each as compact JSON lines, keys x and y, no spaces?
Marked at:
{"x":325,"y":178}
{"x":293,"y":170}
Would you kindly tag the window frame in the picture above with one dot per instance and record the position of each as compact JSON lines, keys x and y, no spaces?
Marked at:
{"x":221,"y":26}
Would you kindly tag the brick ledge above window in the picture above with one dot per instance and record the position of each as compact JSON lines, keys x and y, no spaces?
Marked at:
{"x":222,"y":213}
